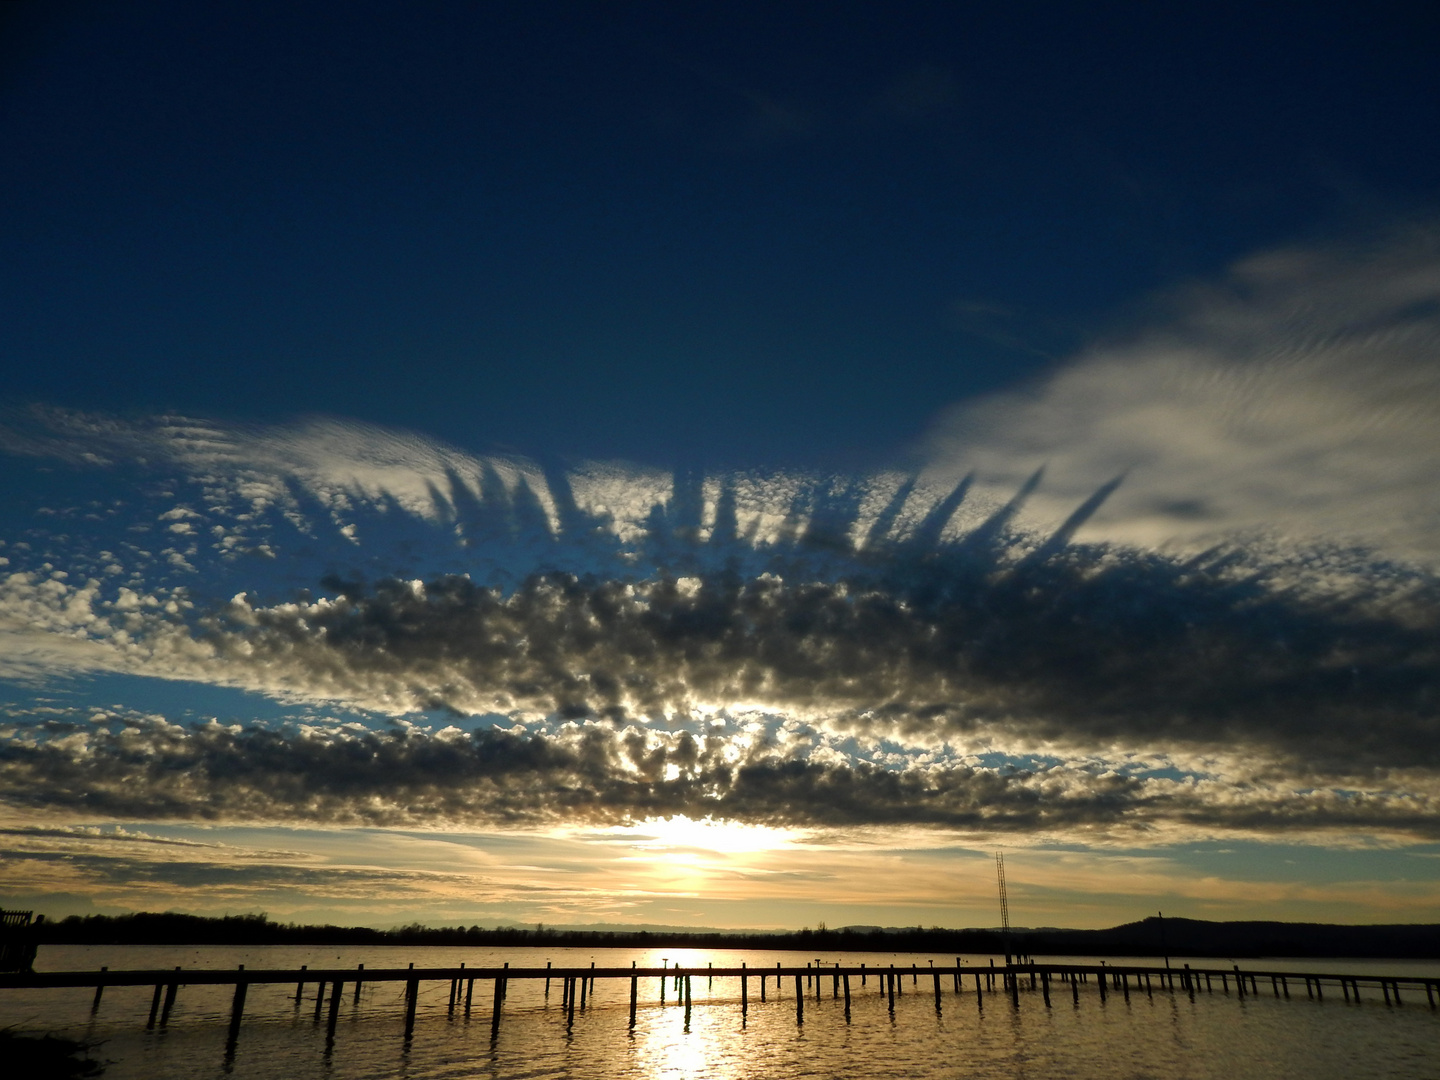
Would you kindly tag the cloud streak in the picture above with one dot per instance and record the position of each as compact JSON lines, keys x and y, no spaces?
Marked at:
{"x":1296,"y":397}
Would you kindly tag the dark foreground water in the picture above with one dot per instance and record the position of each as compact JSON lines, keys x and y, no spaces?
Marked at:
{"x":1167,"y":1035}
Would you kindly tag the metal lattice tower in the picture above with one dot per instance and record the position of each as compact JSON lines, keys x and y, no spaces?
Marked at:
{"x":1004,"y":900}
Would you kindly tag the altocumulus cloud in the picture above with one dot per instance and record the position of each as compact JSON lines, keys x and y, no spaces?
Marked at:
{"x":986,"y":646}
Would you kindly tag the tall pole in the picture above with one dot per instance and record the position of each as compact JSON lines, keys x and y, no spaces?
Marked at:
{"x":1004,"y":903}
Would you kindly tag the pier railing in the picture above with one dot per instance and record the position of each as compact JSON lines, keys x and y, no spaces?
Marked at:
{"x":1031,"y":980}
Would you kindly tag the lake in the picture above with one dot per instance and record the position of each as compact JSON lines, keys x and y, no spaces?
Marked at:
{"x":1167,"y":1035}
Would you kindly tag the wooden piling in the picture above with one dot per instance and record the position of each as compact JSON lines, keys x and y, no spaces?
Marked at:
{"x":634,"y":997}
{"x":890,"y":983}
{"x":687,"y":1002}
{"x":936,"y":976}
{"x":100,"y":989}
{"x":1100,"y":982}
{"x":169,"y":1002}
{"x":300,"y":988}
{"x":584,"y":981}
{"x":847,"y":996}
{"x":1239,"y":982}
{"x":357,"y":985}
{"x":237,"y":1010}
{"x":412,"y":995}
{"x":547,"y":979}
{"x":1075,"y":991}
{"x":570,"y":1013}
{"x":454,"y":993}
{"x":1015,"y":989}
{"x":799,"y":1001}
{"x":957,"y":975}
{"x":319,"y":998}
{"x":979,"y":993}
{"x":334,"y":1012}
{"x":1045,"y":987}
{"x":496,"y":1006}
{"x":154,"y":1005}
{"x":1125,"y":986}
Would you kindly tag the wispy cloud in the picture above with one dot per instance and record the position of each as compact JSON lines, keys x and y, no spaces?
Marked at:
{"x":1296,"y":398}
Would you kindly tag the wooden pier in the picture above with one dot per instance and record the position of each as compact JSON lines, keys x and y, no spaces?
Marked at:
{"x":1037,"y":982}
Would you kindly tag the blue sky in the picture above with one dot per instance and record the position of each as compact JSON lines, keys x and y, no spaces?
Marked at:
{"x":887,"y":432}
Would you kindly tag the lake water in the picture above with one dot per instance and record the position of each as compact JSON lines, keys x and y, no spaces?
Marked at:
{"x":1167,"y":1035}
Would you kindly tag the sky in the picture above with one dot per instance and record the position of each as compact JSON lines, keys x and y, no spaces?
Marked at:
{"x":721,"y":465}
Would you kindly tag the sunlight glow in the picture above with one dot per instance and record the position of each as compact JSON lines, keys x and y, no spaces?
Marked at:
{"x":679,"y":835}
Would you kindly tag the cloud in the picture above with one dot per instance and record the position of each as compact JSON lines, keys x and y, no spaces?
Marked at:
{"x":1298,"y":397}
{"x":1185,"y":583}
{"x":148,"y":769}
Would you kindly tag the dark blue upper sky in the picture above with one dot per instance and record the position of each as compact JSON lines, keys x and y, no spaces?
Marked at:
{"x":748,"y":234}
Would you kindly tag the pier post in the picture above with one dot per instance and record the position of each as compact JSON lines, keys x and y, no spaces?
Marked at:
{"x":936,"y":976}
{"x":634,"y":996}
{"x":979,"y":993}
{"x":799,"y":1001}
{"x":1125,"y":986}
{"x":1285,"y":986}
{"x":334,"y":1012}
{"x":564,"y":993}
{"x":1385,"y":989}
{"x":687,"y":1002}
{"x":154,"y":1006}
{"x":1100,"y":982}
{"x":454,"y":993}
{"x":1045,"y":987}
{"x":957,"y":975}
{"x":847,"y":996}
{"x":709,"y":979}
{"x":1239,"y":981}
{"x":584,"y":992}
{"x":890,"y":984}
{"x":237,"y":1010}
{"x":100,"y":989}
{"x":1430,"y":995}
{"x":495,"y":1006}
{"x":835,"y":983}
{"x":1074,"y":990}
{"x":1395,"y":985}
{"x":169,"y":1001}
{"x":300,"y":988}
{"x":319,"y":998}
{"x":570,"y":1013}
{"x":412,"y":994}
{"x":547,"y":981}
{"x":1015,"y":989}
{"x":357,"y":985}
{"x":862,"y":975}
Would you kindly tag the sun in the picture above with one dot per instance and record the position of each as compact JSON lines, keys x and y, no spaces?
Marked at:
{"x":679,"y":835}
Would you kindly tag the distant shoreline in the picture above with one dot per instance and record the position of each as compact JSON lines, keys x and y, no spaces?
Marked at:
{"x":1149,"y":937}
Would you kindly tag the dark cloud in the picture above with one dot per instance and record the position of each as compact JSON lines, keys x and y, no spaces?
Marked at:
{"x":148,"y":769}
{"x":1081,"y":648}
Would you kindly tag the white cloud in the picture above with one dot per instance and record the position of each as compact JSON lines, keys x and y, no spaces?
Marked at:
{"x":1298,"y":397}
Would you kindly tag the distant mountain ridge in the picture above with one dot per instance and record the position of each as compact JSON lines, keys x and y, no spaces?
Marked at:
{"x":1152,"y":936}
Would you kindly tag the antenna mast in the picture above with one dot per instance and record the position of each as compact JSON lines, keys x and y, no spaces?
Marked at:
{"x":1004,"y":902}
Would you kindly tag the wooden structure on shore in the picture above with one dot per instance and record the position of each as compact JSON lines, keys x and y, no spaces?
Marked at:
{"x":1032,"y":980}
